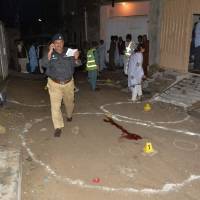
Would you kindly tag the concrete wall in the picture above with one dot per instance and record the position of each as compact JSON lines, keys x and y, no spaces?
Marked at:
{"x":121,"y":10}
{"x":126,"y":9}
{"x":176,"y":33}
{"x":93,"y":22}
{"x":12,"y":34}
{"x":155,"y":16}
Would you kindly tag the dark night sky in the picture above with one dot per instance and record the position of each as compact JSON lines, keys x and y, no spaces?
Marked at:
{"x":27,"y":11}
{"x":25,"y":14}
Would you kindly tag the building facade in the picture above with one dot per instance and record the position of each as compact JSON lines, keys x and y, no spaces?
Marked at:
{"x":175,"y":20}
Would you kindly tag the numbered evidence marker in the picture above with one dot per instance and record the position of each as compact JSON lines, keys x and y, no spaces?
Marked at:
{"x":148,"y":148}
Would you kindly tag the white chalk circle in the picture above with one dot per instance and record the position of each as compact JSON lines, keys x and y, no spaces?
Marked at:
{"x":103,"y":108}
{"x":149,"y":124}
{"x":168,"y":187}
{"x":184,"y":145}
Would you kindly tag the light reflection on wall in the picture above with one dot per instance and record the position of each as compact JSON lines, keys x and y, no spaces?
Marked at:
{"x":123,"y":9}
{"x":129,"y":9}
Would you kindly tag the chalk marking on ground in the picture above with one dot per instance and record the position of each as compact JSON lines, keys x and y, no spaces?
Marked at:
{"x":28,"y":105}
{"x":176,"y":141}
{"x":159,"y":122}
{"x":168,"y":187}
{"x":136,"y":119}
{"x":149,"y":124}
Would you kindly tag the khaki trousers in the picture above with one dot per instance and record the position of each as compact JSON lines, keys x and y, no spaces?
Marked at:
{"x":57,"y":93}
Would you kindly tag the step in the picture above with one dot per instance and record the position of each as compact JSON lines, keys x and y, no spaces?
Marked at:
{"x":186,"y":91}
{"x":180,"y":96}
{"x":175,"y":102}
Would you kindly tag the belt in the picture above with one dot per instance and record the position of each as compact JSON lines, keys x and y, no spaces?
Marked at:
{"x":61,"y":82}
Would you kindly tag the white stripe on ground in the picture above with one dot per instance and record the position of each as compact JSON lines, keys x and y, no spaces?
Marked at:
{"x":28,"y":105}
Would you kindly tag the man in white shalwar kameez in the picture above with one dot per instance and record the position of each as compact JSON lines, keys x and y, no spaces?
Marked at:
{"x":136,"y":73}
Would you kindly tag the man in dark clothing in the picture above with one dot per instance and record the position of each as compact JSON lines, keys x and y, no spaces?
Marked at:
{"x":60,"y":63}
{"x":197,"y":47}
{"x":112,"y":53}
{"x":121,"y":47}
{"x":145,"y":54}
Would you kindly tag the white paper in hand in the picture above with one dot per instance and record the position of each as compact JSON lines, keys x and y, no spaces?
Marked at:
{"x":70,"y":52}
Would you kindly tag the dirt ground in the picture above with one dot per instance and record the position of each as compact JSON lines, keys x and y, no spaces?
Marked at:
{"x":91,"y":160}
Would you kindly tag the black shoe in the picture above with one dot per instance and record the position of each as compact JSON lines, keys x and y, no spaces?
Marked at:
{"x":69,"y":119}
{"x":57,"y":132}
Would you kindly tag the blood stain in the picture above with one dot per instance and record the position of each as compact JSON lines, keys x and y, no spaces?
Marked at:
{"x":125,"y":134}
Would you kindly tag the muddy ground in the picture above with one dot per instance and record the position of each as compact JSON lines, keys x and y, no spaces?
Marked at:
{"x":91,"y":160}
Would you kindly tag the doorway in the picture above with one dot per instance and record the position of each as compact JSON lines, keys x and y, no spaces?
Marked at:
{"x":194,"y":56}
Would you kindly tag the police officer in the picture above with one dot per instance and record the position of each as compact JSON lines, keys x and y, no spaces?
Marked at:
{"x":59,"y":69}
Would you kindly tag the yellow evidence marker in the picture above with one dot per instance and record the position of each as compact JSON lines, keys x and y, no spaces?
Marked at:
{"x":148,"y":148}
{"x":147,"y":107}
